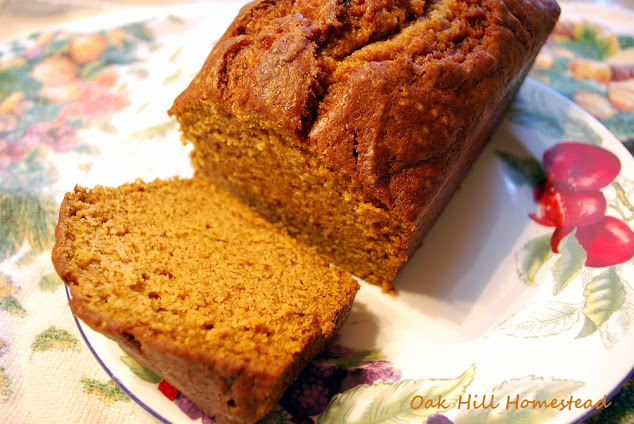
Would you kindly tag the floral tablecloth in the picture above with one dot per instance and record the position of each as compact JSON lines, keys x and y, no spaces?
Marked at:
{"x":62,"y":97}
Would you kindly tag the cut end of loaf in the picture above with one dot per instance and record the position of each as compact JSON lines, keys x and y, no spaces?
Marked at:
{"x":295,"y":189}
{"x":181,"y":269}
{"x":369,"y":111}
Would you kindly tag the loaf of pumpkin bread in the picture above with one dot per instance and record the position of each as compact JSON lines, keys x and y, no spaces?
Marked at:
{"x":200,"y":289}
{"x":351,"y":123}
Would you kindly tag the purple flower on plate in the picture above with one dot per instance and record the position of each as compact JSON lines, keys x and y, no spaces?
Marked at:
{"x":309,"y":394}
{"x":188,"y":407}
{"x":438,"y":419}
{"x":369,"y":373}
{"x":334,"y":371}
{"x":314,"y":398}
{"x":380,"y":370}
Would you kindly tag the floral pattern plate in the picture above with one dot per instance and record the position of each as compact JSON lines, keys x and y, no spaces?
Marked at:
{"x":517,"y":308}
{"x":488,"y":323}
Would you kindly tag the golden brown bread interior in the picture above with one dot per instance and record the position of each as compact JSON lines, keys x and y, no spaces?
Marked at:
{"x":199,"y":289}
{"x":351,"y":123}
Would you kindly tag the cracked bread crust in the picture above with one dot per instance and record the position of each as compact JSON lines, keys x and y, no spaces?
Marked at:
{"x":387,"y":91}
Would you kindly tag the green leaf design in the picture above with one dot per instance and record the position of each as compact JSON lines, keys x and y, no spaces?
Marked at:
{"x":12,"y":229}
{"x":569,"y":264}
{"x":7,"y":301}
{"x":140,"y":371}
{"x":50,"y":282}
{"x":54,"y":338}
{"x":16,"y":76}
{"x":543,"y":319}
{"x":57,"y":47}
{"x":625,"y":41}
{"x":5,"y":388}
{"x":621,"y":126}
{"x":42,"y":216}
{"x":140,"y":31}
{"x":26,"y":259}
{"x":531,"y":257}
{"x":119,"y":55}
{"x":527,"y":116}
{"x":533,"y":109}
{"x":356,"y":358}
{"x":25,"y":216}
{"x":278,"y":415}
{"x":622,"y":198}
{"x":392,"y":402}
{"x":620,"y":322}
{"x":588,"y":43}
{"x":578,"y":129}
{"x":33,"y":175}
{"x":11,"y":305}
{"x":526,"y":388}
{"x":604,"y":295}
{"x":588,"y":328}
{"x":108,"y":392}
{"x":523,"y":170}
{"x":91,"y":69}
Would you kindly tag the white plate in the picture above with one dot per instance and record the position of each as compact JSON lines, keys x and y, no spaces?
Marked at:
{"x":464,"y":323}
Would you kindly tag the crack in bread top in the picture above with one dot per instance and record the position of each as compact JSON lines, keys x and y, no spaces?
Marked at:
{"x":381,"y":89}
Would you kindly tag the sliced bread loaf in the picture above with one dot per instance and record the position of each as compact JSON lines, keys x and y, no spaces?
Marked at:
{"x":199,"y":289}
{"x":353,"y":122}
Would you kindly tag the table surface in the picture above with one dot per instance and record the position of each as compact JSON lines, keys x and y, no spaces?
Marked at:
{"x":31,"y":390}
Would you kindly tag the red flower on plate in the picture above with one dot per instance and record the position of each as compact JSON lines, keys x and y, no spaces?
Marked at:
{"x":558,"y":206}
{"x":607,"y":242}
{"x":570,"y":197}
{"x":580,"y":166}
{"x":168,"y":390}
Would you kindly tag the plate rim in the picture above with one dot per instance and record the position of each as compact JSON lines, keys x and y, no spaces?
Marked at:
{"x":596,"y":125}
{"x":538,"y":85}
{"x":114,"y":378}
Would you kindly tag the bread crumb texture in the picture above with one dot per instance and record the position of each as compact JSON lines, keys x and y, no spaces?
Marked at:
{"x":351,"y":123}
{"x":379,"y":88}
{"x":186,"y":268}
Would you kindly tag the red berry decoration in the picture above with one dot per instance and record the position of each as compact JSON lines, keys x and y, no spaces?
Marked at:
{"x":581,"y":166}
{"x":168,"y":390}
{"x":558,"y":236}
{"x":607,"y":242}
{"x":558,"y":206}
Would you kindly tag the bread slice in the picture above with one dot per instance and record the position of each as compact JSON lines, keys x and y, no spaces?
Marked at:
{"x":199,"y":289}
{"x":351,"y":123}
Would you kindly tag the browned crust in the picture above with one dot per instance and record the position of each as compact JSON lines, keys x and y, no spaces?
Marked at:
{"x":323,"y":104}
{"x":234,"y":391}
{"x":461,"y":167}
{"x":402,"y":117}
{"x":103,"y":324}
{"x":221,"y":390}
{"x":58,"y":255}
